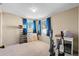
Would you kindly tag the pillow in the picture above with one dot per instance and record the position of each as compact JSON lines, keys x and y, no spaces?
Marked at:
{"x":31,"y":37}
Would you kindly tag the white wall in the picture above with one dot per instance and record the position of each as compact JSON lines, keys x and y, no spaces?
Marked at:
{"x":78,"y":30}
{"x":10,"y":29}
{"x":67,"y":20}
{"x":0,"y":29}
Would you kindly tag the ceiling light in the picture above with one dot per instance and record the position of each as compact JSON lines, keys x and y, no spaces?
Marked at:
{"x":33,"y":9}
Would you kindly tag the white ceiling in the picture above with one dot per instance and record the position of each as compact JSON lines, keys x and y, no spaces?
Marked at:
{"x":43,"y":9}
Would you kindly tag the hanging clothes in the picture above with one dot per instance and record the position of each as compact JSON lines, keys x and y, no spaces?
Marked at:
{"x":25,"y":26}
{"x":34,"y":26}
{"x":48,"y":25}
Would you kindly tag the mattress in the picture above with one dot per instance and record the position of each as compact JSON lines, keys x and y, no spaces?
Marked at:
{"x":35,"y":48}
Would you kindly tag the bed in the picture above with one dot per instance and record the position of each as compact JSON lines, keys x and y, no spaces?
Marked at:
{"x":35,"y":48}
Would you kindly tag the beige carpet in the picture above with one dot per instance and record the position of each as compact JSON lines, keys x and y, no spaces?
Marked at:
{"x":35,"y":48}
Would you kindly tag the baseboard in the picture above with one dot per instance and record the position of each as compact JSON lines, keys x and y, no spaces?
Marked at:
{"x":75,"y":53}
{"x":78,"y":53}
{"x":2,"y":46}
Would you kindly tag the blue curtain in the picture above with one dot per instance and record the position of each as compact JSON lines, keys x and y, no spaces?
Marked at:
{"x":25,"y":26}
{"x":39,"y":27}
{"x":34,"y":26}
{"x":48,"y":25}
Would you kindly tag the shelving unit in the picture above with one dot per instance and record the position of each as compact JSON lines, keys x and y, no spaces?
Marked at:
{"x":68,"y":45}
{"x":23,"y":38}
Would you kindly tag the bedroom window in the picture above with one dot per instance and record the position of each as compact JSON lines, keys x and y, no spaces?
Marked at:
{"x":30,"y":25}
{"x":39,"y":27}
{"x":46,"y":26}
{"x":44,"y":29}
